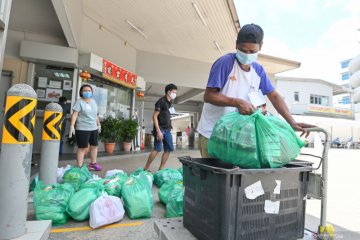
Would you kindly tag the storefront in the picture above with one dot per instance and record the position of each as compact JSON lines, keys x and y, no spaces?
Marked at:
{"x":58,"y":74}
{"x":114,"y":87}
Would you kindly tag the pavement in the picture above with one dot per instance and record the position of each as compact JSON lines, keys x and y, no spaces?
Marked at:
{"x":343,"y":198}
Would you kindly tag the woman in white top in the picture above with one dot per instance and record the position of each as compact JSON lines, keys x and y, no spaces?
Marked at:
{"x":87,"y":127}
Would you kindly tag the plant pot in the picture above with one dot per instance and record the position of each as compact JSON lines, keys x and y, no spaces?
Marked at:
{"x":126,"y":146}
{"x":109,"y":147}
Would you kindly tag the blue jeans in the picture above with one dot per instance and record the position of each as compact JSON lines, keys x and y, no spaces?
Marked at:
{"x":166,"y":142}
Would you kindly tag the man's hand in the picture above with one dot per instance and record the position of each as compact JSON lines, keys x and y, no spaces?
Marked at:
{"x":244,"y":107}
{"x":99,"y":128}
{"x":302,"y":127}
{"x":72,"y":131}
{"x":159,"y":135}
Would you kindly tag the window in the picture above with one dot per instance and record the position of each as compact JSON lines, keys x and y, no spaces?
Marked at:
{"x":113,"y":99}
{"x":345,"y":64}
{"x":346,"y":100}
{"x":296,"y":96}
{"x":319,"y":100}
{"x":345,"y":76}
{"x":52,"y":82}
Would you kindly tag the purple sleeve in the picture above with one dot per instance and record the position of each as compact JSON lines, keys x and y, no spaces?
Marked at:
{"x":265,"y":83}
{"x":220,"y":71}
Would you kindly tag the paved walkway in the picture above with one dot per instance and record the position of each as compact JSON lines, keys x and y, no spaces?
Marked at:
{"x":343,"y":204}
{"x":126,"y":229}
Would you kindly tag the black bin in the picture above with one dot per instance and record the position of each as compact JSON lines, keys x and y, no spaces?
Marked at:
{"x":216,"y":206}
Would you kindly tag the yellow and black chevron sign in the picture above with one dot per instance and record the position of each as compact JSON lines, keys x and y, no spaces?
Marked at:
{"x":52,"y":125}
{"x":19,"y":120}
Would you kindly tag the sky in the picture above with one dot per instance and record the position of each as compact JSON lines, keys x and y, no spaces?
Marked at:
{"x":317,"y":33}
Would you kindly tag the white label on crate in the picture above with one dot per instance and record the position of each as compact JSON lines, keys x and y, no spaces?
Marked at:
{"x":277,"y":187}
{"x":254,"y":190}
{"x":272,"y":207}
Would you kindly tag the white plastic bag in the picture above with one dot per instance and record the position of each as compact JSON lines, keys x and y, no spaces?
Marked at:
{"x":113,"y":172}
{"x":60,"y":173}
{"x":106,"y":210}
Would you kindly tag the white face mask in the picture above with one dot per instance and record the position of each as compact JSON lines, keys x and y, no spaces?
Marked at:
{"x":172,"y":95}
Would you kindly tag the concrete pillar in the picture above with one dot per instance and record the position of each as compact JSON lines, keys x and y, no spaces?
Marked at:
{"x":15,"y":159}
{"x":50,"y":143}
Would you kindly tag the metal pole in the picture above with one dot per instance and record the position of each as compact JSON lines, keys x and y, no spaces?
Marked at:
{"x":15,"y":159}
{"x":324,"y":228}
{"x":50,"y":143}
{"x":132,"y":107}
{"x":324,"y":178}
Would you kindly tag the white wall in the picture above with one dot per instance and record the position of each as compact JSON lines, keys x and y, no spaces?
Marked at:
{"x":14,"y":37}
{"x":106,"y":45}
{"x":305,"y":89}
{"x":159,"y":68}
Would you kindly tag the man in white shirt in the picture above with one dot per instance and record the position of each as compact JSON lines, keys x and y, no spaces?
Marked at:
{"x":237,"y":83}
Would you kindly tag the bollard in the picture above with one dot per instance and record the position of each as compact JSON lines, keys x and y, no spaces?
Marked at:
{"x":50,"y":143}
{"x":15,"y":159}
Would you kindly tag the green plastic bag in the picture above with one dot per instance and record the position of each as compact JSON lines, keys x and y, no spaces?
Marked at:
{"x":113,"y":184}
{"x":287,"y":140}
{"x":93,"y":183}
{"x":33,"y":183}
{"x":148,"y":174}
{"x":79,"y":203}
{"x":138,"y":201}
{"x":233,"y":140}
{"x":254,"y":141}
{"x":167,"y":174}
{"x":174,"y":207}
{"x":77,"y":176}
{"x":166,"y":189}
{"x":51,"y":201}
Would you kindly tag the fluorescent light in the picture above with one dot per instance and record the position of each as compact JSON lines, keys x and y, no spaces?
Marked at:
{"x":199,"y":13}
{"x":136,"y":28}
{"x":217,"y":46}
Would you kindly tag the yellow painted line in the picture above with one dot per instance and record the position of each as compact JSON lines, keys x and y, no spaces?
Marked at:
{"x":61,"y":230}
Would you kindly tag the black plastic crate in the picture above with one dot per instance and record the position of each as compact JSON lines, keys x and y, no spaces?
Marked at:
{"x":216,"y":206}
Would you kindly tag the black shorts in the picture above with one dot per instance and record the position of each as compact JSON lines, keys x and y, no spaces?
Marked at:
{"x":84,"y":138}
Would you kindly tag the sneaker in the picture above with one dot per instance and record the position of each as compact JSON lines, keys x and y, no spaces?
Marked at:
{"x":94,"y":167}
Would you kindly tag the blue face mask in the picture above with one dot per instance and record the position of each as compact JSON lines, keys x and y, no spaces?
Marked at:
{"x":246,"y":59}
{"x":87,"y":94}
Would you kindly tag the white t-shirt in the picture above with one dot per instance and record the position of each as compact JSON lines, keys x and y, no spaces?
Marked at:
{"x":88,"y":112}
{"x":234,"y":82}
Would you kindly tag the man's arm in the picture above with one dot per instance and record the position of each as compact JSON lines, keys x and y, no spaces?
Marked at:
{"x":213,"y":96}
{"x":156,"y":124}
{"x":281,"y":108}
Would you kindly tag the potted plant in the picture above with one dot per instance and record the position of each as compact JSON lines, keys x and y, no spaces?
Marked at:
{"x":110,"y":133}
{"x":128,"y":132}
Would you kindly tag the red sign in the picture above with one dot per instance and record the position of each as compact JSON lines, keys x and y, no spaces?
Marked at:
{"x":119,"y":75}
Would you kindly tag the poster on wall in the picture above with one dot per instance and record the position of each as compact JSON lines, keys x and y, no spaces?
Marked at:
{"x":40,"y":93}
{"x":55,"y":84}
{"x":53,"y":93}
{"x":67,"y":85}
{"x":42,"y":82}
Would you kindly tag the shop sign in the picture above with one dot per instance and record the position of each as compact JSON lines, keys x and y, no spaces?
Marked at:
{"x":119,"y":75}
{"x":329,"y":110}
